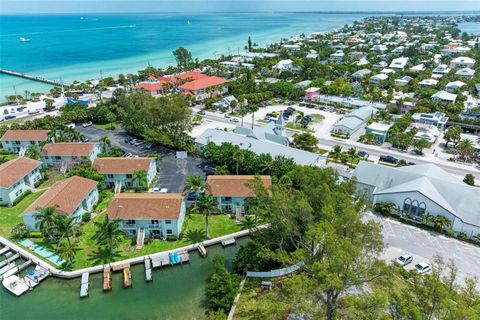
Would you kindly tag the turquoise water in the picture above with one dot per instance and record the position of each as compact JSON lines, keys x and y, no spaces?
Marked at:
{"x":38,"y":249}
{"x":74,"y":47}
{"x":470,"y":27}
{"x":175,"y":293}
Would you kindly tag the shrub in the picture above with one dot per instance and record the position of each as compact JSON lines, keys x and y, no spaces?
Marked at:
{"x":36,"y":234}
{"x":21,"y":197}
{"x":405,"y":273}
{"x":450,"y":233}
{"x":86,"y":216}
{"x":462,"y":236}
{"x":384,"y":208}
{"x":172,"y":238}
{"x":20,"y":231}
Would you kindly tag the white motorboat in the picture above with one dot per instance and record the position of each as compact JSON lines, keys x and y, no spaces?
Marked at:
{"x":22,"y":39}
{"x":15,"y":285}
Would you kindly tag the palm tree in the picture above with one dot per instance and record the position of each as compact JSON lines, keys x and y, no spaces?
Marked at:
{"x":253,"y":108}
{"x":267,"y":165}
{"x":106,"y":143}
{"x":194,"y":184}
{"x":238,"y":157}
{"x":242,"y":111}
{"x":67,"y":251}
{"x":66,"y":227}
{"x":33,"y":152}
{"x":45,"y":220}
{"x":140,"y":180}
{"x":249,"y":222}
{"x":108,"y":233}
{"x":465,"y":148}
{"x":300,"y":117}
{"x":440,"y":223}
{"x":336,"y":151}
{"x":206,"y":205}
{"x":195,"y":236}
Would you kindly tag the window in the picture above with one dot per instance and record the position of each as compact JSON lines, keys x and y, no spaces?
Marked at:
{"x":155,"y":232}
{"x":422,"y":207}
{"x":168,"y":221}
{"x":407,"y":204}
{"x":110,"y":176}
{"x":169,"y":231}
{"x":58,"y":158}
{"x":130,"y":221}
{"x":227,"y":199}
{"x":32,"y":142}
{"x":129,"y":176}
{"x":154,"y":221}
{"x":227,"y":208}
{"x":414,"y":207}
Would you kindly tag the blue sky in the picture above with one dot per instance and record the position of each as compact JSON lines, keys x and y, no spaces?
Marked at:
{"x":85,"y":6}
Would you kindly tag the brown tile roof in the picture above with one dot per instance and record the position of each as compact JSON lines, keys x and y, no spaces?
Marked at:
{"x":14,"y":170}
{"x":121,"y":165}
{"x":25,"y":135}
{"x":66,"y":195}
{"x":75,"y":149}
{"x":145,"y":206}
{"x":233,"y":186}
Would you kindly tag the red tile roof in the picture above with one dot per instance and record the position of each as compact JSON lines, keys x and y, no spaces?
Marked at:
{"x":14,"y":170}
{"x":150,"y":86}
{"x":121,"y":165}
{"x":203,"y":83}
{"x":191,"y":76}
{"x":25,"y":135}
{"x":233,"y":186}
{"x":65,"y":195}
{"x":145,"y":206}
{"x":71,"y":149}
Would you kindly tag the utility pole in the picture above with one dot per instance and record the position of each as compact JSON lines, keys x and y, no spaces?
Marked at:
{"x":16,"y":97}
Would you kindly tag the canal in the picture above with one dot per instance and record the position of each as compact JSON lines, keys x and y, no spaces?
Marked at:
{"x":175,"y":293}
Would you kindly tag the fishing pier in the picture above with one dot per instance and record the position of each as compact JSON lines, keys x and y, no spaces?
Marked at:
{"x":34,"y":78}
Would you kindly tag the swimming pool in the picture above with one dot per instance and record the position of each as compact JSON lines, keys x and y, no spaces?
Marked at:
{"x":41,"y":251}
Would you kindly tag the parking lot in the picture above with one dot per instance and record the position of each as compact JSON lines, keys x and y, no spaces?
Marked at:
{"x":172,"y":171}
{"x":400,"y":238}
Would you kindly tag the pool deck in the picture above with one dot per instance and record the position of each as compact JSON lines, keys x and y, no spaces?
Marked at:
{"x":99,"y":268}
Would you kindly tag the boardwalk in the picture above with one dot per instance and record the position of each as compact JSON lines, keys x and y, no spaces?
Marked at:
{"x":84,"y":285}
{"x":148,"y":269}
{"x":34,"y":78}
{"x":107,"y":278}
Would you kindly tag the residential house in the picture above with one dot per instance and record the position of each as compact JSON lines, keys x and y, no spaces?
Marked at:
{"x":18,"y":176}
{"x":121,"y":171}
{"x":283,"y":65}
{"x":226,"y":103}
{"x":71,"y":197}
{"x":465,"y":73}
{"x":360,"y":74}
{"x":69,"y":153}
{"x":312,"y":93}
{"x":462,"y":62}
{"x":425,"y":131}
{"x":420,"y":190}
{"x":454,"y":85}
{"x":312,"y":55}
{"x":378,"y":78}
{"x":437,"y":119}
{"x":231,"y":191}
{"x":337,"y":57}
{"x":380,"y":65}
{"x":379,"y":130}
{"x":357,"y":55}
{"x":403,"y":81}
{"x":444,"y":97}
{"x":418,"y":68}
{"x":15,"y":141}
{"x":152,"y":86}
{"x":440,"y":70}
{"x":205,"y":87}
{"x":156,"y":214}
{"x":428,"y":82}
{"x":354,"y":121}
{"x":399,"y":63}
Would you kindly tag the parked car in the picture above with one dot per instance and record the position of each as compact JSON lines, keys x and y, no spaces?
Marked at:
{"x":33,"y":111}
{"x":227,"y":115}
{"x":389,"y":159}
{"x":363,"y":154}
{"x":87,"y":124}
{"x":10,"y":117}
{"x":208,"y":170}
{"x":423,"y":267}
{"x":202,"y":112}
{"x":154,"y":189}
{"x":128,"y":155}
{"x":138,"y":143}
{"x":411,"y":163}
{"x":234,"y":120}
{"x":128,"y":139}
{"x":404,"y":259}
{"x":149,"y":145}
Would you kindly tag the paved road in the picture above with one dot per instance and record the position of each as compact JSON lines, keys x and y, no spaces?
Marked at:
{"x":172,"y":171}
{"x":424,"y":245}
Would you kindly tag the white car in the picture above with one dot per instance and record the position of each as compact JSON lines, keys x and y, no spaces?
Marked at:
{"x":234,"y":120}
{"x":87,"y":124}
{"x":404,"y":259}
{"x":423,"y":267}
{"x":154,"y":189}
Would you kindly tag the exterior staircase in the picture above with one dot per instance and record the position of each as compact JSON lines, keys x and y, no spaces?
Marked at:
{"x":64,"y":167}
{"x":118,"y":187}
{"x":140,"y":238}
{"x":22,"y":151}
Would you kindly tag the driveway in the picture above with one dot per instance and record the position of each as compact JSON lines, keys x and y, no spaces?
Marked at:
{"x":424,"y":245}
{"x":172,"y":172}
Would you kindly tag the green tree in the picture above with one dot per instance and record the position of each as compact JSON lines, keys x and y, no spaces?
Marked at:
{"x":206,"y":205}
{"x":465,"y":148}
{"x":108,"y":233}
{"x":66,"y":227}
{"x":106,"y":143}
{"x":67,"y":251}
{"x":253,"y":108}
{"x":305,"y":141}
{"x":420,"y":144}
{"x":469,"y":179}
{"x":183,"y":57}
{"x":194,"y":184}
{"x":242,"y":112}
{"x":249,"y":222}
{"x":45,"y":220}
{"x":195,"y":236}
{"x":33,"y":152}
{"x":221,"y":287}
{"x":249,"y":43}
{"x":336,"y":152}
{"x":453,"y":134}
{"x":140,"y":180}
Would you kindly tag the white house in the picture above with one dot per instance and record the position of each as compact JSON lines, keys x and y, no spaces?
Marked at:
{"x":440,"y":70}
{"x":420,"y":190}
{"x":18,"y":176}
{"x":283,"y":65}
{"x":154,"y":214}
{"x":378,"y":78}
{"x":399,"y":63}
{"x":428,"y":82}
{"x":354,"y":120}
{"x":225,"y":103}
{"x":122,"y":170}
{"x":418,"y":68}
{"x":462,"y":62}
{"x":444,"y":97}
{"x":454,"y":85}
{"x":69,"y":153}
{"x":71,"y":197}
{"x":15,"y":141}
{"x":466,"y":73}
{"x":403,"y":81}
{"x":437,"y":119}
{"x":425,"y":131}
{"x":337,"y":57}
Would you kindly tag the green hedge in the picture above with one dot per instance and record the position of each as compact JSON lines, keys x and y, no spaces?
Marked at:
{"x":21,"y":197}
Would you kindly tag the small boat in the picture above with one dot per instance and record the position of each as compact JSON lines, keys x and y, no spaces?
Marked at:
{"x":22,"y":39}
{"x":15,"y":285}
{"x":188,"y":22}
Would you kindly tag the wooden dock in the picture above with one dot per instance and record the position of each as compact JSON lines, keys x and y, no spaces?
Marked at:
{"x":84,"y":285}
{"x":4,"y":250}
{"x":228,"y":242}
{"x":148,"y":269}
{"x":34,"y":78}
{"x":107,"y":278}
{"x":160,"y":260}
{"x":201,"y":249}
{"x":170,"y":259}
{"x":9,"y":260}
{"x":127,"y":276}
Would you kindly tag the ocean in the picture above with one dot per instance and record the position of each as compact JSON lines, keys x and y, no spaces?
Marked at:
{"x":74,"y":47}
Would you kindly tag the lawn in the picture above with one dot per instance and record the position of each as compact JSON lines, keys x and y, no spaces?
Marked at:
{"x":7,"y":156}
{"x":10,"y":216}
{"x":109,"y":126}
{"x":51,"y":176}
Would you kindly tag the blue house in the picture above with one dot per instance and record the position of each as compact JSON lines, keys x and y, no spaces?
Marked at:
{"x":231,"y":191}
{"x":69,"y":153}
{"x":15,"y":141}
{"x":151,"y":214}
{"x":16,"y":177}
{"x":121,"y":171}
{"x":71,"y":197}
